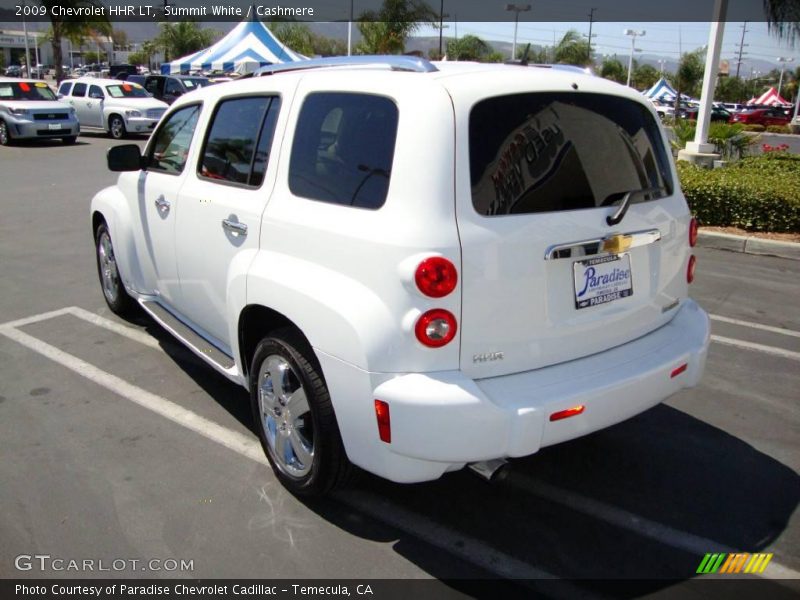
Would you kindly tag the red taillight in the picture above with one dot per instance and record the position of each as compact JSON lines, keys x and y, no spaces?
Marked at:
{"x":436,"y":277}
{"x":692,"y":232}
{"x":384,"y":422}
{"x":679,"y":370}
{"x":566,"y":414}
{"x":690,"y":269}
{"x":436,"y":328}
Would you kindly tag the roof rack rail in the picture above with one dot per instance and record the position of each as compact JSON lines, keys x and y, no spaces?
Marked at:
{"x":393,"y":62}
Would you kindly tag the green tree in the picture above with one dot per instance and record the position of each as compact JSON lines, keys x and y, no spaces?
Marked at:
{"x":385,"y":31}
{"x":120,"y":38}
{"x":295,"y":36}
{"x":731,"y":89}
{"x":70,"y":28}
{"x":572,"y":49}
{"x":614,"y":70}
{"x":537,"y":55}
{"x":687,"y":78}
{"x":182,"y":38}
{"x":469,"y":47}
{"x":645,"y":76}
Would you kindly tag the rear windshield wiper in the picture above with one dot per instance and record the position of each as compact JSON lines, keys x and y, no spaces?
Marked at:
{"x":626,"y":202}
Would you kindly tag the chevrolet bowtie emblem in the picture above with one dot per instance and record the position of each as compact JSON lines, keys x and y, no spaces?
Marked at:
{"x":617,"y":243}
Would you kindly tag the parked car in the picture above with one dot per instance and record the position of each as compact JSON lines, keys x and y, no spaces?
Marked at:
{"x":169,"y":88}
{"x":30,"y":109}
{"x":762,"y":116}
{"x":412,"y":267}
{"x":664,"y":110}
{"x":117,"y":107}
{"x":13,"y":71}
{"x":733,"y":107}
{"x":717,"y":114}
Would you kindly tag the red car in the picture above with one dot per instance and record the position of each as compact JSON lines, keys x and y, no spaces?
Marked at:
{"x":762,"y":116}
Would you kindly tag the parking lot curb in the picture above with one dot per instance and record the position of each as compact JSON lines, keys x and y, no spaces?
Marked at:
{"x":749,"y":245}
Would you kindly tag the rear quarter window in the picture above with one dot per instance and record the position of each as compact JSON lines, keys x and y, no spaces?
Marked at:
{"x":343,"y":149}
{"x":546,"y":152}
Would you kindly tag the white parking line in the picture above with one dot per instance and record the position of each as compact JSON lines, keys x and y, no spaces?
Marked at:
{"x":783,"y":353}
{"x":468,"y":549}
{"x":770,"y":328}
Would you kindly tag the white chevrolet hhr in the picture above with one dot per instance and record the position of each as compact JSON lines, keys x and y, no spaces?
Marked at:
{"x":412,"y":266}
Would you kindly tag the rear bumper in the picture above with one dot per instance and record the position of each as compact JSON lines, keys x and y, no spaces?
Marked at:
{"x":441,"y":421}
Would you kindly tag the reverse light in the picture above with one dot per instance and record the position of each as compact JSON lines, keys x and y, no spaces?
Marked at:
{"x":566,"y":414}
{"x":436,"y":277}
{"x":690,"y":269}
{"x":384,"y":422}
{"x":693,"y":228}
{"x":436,"y":328}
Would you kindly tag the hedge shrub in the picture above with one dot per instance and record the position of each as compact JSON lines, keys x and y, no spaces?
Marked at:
{"x":778,"y":129}
{"x":759,"y":193}
{"x":754,"y":127}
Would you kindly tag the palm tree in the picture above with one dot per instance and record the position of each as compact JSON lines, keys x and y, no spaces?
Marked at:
{"x":385,"y":31}
{"x":182,"y":38}
{"x":71,"y":29}
{"x":572,"y":49}
{"x":469,"y":47}
{"x":783,"y":18}
{"x":689,"y":73}
{"x":613,"y":69}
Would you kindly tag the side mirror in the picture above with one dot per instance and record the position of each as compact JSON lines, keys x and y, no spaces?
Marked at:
{"x":126,"y":157}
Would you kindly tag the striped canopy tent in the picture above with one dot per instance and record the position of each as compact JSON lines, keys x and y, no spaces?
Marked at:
{"x":770,"y":98}
{"x":247,"y":47}
{"x":662,"y":91}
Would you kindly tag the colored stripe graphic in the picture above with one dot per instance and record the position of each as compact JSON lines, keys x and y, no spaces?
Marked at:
{"x":737,"y":562}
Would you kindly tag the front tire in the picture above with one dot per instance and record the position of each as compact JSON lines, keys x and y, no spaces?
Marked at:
{"x":114,"y":291}
{"x":69,"y":140}
{"x":294,"y":416}
{"x":116,"y":127}
{"x":5,"y":136}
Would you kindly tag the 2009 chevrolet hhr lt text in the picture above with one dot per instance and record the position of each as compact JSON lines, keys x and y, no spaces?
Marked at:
{"x":412,"y":267}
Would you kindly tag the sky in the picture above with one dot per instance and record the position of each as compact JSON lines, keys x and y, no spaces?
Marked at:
{"x":663,"y":38}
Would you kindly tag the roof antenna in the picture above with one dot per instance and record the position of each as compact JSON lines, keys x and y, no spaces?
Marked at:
{"x":524,"y":60}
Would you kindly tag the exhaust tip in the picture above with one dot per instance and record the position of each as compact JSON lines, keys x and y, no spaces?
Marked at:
{"x":487,"y":469}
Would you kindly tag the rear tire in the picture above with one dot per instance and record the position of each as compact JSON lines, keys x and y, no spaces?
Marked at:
{"x":114,"y":291}
{"x":294,"y":416}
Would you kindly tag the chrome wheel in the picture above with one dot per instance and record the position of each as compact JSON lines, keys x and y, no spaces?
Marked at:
{"x":109,"y":275}
{"x":286,"y":417}
{"x":3,"y":134}
{"x":117,"y":128}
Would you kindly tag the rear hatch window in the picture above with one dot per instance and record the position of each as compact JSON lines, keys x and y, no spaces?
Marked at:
{"x":546,"y":152}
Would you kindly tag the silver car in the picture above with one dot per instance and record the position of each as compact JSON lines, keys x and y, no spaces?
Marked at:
{"x":30,"y":109}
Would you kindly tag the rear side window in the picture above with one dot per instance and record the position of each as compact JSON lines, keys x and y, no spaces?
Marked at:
{"x":239,"y":140}
{"x":79,"y":90}
{"x":545,"y":152}
{"x":343,"y":149}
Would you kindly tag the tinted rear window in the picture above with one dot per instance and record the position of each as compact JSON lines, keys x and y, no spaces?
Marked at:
{"x":544,"y":152}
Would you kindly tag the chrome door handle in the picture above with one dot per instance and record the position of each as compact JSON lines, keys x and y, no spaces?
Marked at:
{"x":234,"y":227}
{"x":162,"y":205}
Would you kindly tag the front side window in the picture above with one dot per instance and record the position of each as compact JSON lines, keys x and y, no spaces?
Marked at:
{"x":343,"y":149}
{"x":96,"y":92}
{"x":546,"y":152}
{"x":65,"y":87}
{"x":239,"y":140}
{"x":170,"y":146}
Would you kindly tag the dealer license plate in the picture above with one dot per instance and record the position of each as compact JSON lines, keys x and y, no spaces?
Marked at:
{"x":602,"y":279}
{"x":53,"y":126}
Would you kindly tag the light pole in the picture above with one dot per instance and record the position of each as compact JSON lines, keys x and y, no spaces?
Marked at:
{"x":634,"y":34}
{"x":661,"y":63}
{"x":783,"y":60}
{"x":350,"y":31}
{"x":516,"y":9}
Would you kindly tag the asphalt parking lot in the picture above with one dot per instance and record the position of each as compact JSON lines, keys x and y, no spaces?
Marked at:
{"x":117,"y":443}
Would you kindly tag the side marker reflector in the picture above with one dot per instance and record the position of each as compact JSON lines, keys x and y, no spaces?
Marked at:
{"x":384,"y":423}
{"x":566,"y":414}
{"x":679,"y":370}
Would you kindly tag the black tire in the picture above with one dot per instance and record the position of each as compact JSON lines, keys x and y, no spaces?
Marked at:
{"x":111,"y":284}
{"x":329,"y":468}
{"x":69,"y":140}
{"x":5,"y":135}
{"x":116,"y":127}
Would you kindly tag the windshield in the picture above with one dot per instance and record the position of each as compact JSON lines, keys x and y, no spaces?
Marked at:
{"x":127,"y":90}
{"x":194,"y":82}
{"x":22,"y":90}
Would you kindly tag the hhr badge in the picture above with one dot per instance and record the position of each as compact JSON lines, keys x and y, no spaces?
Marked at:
{"x":487,"y":357}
